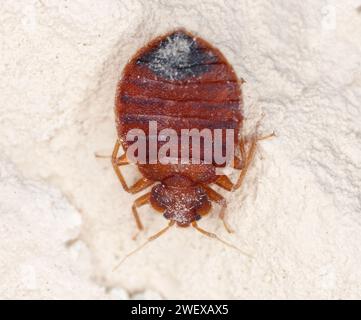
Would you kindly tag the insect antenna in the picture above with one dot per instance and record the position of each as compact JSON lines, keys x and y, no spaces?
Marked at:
{"x":151,"y":238}
{"x":214,"y":236}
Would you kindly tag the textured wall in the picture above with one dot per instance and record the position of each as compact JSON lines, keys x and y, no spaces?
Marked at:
{"x":299,"y":211}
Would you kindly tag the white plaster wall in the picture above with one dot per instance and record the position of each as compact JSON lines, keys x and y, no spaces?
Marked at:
{"x":298,"y":213}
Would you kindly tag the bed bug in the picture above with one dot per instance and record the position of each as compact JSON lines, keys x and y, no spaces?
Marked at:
{"x":180,"y":81}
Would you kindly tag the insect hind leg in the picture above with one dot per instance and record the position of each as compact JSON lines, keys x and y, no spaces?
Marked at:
{"x":247,"y":157}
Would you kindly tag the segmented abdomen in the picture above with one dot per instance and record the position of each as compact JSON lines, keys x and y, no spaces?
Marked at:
{"x":181,"y":82}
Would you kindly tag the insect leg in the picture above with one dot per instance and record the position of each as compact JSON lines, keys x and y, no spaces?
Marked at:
{"x":224,"y":182}
{"x":152,"y":238}
{"x":271,"y":135}
{"x":242,"y":150}
{"x":248,"y":158}
{"x":214,"y":236}
{"x":217,"y":198}
{"x":115,"y":166}
{"x":237,"y":163}
{"x":140,"y":185}
{"x":141,"y":201}
{"x":247,"y":161}
{"x":121,"y":161}
{"x":259,"y":138}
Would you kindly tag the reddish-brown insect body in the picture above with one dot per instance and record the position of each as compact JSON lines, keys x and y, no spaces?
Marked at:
{"x":181,"y":82}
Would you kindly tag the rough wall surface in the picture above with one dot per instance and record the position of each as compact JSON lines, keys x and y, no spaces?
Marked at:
{"x":299,"y":211}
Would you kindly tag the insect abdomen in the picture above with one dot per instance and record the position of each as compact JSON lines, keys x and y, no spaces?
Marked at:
{"x":181,"y":82}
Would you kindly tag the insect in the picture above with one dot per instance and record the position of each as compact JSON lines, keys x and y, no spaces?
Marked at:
{"x":180,"y":81}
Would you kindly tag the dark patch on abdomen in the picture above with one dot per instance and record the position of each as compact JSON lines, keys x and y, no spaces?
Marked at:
{"x":178,"y":57}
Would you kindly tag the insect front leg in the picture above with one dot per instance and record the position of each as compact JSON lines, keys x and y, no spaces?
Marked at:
{"x":141,"y":201}
{"x":121,"y":161}
{"x":217,"y":198}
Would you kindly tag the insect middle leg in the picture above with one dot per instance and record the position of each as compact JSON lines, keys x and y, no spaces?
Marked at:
{"x":242,"y":164}
{"x":224,"y":182}
{"x":121,"y":161}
